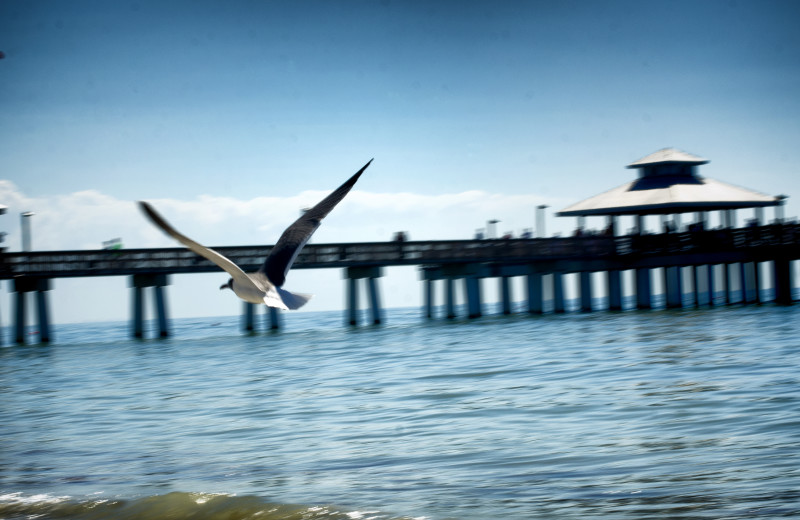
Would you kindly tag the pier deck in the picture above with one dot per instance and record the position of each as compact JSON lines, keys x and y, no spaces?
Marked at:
{"x":587,"y":253}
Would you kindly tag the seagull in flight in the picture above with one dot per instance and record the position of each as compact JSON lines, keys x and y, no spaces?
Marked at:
{"x":265,"y":285}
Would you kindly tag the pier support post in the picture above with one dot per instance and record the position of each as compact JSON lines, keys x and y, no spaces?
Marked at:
{"x":428,"y":288}
{"x":614,"y":291}
{"x":696,"y":285}
{"x":450,"y":298}
{"x":138,"y":312}
{"x":473,"y":287}
{"x":23,"y":286}
{"x":505,"y":291}
{"x":712,"y":283}
{"x":757,"y":281}
{"x":161,"y":311}
{"x":353,"y":274}
{"x":726,"y":279}
{"x":749,"y":282}
{"x":375,"y":301}
{"x":782,"y":272}
{"x":274,"y":318}
{"x":44,"y":320}
{"x":672,"y":279}
{"x":248,"y":310}
{"x":586,"y":291}
{"x":352,"y":301}
{"x":535,"y":293}
{"x":643,"y":300}
{"x":19,"y":322}
{"x":744,"y":282}
{"x":138,"y":283}
{"x":558,"y":293}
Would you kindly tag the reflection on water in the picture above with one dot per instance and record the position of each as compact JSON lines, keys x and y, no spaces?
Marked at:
{"x":662,"y":414}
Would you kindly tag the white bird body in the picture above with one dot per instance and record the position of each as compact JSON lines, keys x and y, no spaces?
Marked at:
{"x":264,"y":286}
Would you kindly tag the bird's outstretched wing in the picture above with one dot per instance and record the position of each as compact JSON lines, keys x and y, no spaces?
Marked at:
{"x":292,"y":240}
{"x":232,"y":269}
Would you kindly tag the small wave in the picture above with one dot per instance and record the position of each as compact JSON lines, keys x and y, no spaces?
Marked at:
{"x":172,"y":506}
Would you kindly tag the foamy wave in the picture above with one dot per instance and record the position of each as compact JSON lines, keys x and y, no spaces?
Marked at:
{"x":172,"y":506}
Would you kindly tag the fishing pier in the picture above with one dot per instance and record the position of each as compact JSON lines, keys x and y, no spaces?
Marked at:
{"x":726,"y":255}
{"x":705,"y":264}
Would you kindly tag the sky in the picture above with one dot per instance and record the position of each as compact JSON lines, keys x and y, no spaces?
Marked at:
{"x":232,"y":116}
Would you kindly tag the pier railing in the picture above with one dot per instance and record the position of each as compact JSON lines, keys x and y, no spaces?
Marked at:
{"x":78,"y":263}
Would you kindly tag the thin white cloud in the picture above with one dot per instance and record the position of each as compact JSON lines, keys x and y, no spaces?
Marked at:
{"x":83,"y":220}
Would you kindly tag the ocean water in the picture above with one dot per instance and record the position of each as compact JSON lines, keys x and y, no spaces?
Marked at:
{"x":688,"y":414}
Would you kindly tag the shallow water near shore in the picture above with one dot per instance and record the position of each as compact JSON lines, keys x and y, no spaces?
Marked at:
{"x":629,"y":415}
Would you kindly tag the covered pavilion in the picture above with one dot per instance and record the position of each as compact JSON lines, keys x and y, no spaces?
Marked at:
{"x":668,"y":184}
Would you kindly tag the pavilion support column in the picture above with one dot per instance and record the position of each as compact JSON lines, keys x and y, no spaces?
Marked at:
{"x":730,"y":218}
{"x":672,"y":282}
{"x":614,"y":290}
{"x":611,"y":225}
{"x":558,"y":293}
{"x":586,"y":291}
{"x":505,"y":293}
{"x":535,"y":303}
{"x":643,"y":299}
{"x":782,"y":271}
{"x":701,"y":218}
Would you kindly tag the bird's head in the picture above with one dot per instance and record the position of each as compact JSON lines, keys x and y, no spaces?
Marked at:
{"x":228,"y":285}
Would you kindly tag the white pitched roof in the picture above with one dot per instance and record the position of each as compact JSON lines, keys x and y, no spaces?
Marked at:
{"x":667,"y":155}
{"x":637,"y":197}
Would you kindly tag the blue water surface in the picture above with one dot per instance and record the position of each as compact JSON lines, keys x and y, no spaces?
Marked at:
{"x":630,"y":415}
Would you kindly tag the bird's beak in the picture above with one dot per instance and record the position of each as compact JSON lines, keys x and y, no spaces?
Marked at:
{"x":223,"y":286}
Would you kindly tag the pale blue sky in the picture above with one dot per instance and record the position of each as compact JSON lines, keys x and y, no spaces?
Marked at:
{"x":239,"y":99}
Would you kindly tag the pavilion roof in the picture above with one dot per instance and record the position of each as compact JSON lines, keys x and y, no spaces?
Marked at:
{"x":668,"y":155}
{"x":661,"y":196}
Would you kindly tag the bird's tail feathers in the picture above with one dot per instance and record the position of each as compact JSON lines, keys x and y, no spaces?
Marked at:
{"x":283,"y":299}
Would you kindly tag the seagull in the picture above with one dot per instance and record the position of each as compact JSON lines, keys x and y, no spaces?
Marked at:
{"x":265,"y":285}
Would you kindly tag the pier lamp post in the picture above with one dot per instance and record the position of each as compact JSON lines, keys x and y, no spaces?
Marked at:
{"x":540,"y":220}
{"x":25,"y":224}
